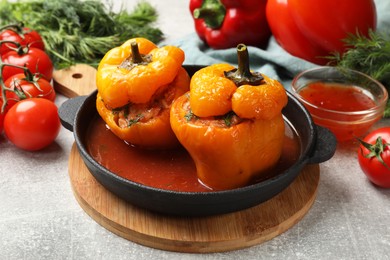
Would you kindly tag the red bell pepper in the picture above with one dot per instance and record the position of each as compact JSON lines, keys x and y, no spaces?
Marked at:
{"x":314,"y":29}
{"x":224,"y":24}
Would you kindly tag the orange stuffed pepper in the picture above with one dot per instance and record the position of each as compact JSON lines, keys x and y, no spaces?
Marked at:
{"x":231,"y":123}
{"x":137,"y":83}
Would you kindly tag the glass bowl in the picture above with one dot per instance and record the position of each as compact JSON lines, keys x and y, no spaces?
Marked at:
{"x":345,"y":101}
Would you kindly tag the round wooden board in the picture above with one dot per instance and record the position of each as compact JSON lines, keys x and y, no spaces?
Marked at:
{"x":189,"y":234}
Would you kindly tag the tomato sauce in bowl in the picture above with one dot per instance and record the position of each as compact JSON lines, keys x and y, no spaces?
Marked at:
{"x":346,"y":102}
{"x":165,"y":169}
{"x":336,"y":96}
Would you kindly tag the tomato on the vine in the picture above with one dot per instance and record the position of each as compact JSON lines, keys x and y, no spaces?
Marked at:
{"x":23,"y":35}
{"x":36,"y":60}
{"x":2,"y":114}
{"x":374,"y":156}
{"x":32,"y":124}
{"x":24,"y":87}
{"x":11,"y":98}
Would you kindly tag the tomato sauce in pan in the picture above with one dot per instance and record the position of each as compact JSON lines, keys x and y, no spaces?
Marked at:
{"x":168,"y":170}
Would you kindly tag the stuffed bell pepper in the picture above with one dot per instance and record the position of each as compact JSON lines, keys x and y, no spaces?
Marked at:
{"x":137,"y":83}
{"x":231,"y":123}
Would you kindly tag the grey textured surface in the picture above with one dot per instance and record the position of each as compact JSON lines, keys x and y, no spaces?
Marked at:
{"x":40,"y":218}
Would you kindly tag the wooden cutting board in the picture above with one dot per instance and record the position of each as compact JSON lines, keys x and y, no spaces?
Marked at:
{"x":182,"y":234}
{"x":75,"y":81}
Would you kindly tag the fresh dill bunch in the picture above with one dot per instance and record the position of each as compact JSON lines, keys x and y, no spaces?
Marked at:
{"x":77,"y":31}
{"x":368,"y":54}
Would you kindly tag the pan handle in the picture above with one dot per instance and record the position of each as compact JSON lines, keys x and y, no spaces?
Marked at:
{"x":325,"y":148}
{"x":68,"y":111}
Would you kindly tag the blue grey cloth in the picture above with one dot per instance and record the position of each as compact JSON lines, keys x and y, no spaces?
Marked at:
{"x":273,"y":61}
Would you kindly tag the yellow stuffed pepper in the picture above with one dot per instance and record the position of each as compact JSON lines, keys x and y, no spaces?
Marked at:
{"x":137,"y":83}
{"x":231,"y":123}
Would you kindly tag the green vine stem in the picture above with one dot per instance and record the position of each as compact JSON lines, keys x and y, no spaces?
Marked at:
{"x":18,"y":27}
{"x":19,"y":48}
{"x":4,"y":88}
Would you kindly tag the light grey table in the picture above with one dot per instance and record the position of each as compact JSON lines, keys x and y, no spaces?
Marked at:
{"x":41,"y":219}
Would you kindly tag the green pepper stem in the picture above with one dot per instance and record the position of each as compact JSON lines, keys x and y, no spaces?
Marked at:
{"x":242,"y":75}
{"x":136,"y":56}
{"x":212,"y":12}
{"x":243,"y":61}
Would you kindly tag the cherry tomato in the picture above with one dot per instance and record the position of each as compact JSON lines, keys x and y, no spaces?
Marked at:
{"x":28,"y":88}
{"x":26,"y":37}
{"x":36,"y":60}
{"x":32,"y":124}
{"x":1,"y":120}
{"x":12,"y":98}
{"x":374,"y":156}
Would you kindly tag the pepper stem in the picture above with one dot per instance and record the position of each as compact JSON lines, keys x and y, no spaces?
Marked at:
{"x":242,"y":75}
{"x":136,"y":56}
{"x":212,"y":12}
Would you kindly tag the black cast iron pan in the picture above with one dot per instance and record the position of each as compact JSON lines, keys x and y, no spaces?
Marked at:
{"x":317,"y":143}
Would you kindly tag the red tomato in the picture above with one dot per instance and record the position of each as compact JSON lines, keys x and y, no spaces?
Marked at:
{"x":1,"y":120}
{"x":3,"y":112}
{"x":12,"y":98}
{"x":25,"y":88}
{"x":313,"y":29}
{"x":36,"y":60}
{"x":32,"y":124}
{"x":374,"y":156}
{"x":26,"y":37}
